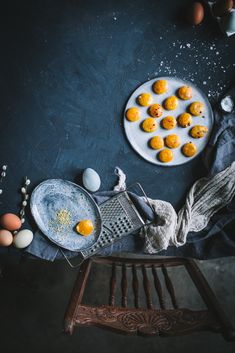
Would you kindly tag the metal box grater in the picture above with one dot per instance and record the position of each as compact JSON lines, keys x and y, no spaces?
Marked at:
{"x":120,"y":218}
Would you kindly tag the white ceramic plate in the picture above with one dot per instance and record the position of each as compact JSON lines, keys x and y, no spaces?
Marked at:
{"x":57,"y":195}
{"x":139,"y":139}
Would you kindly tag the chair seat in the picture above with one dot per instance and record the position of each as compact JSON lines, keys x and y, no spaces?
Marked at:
{"x":149,"y":320}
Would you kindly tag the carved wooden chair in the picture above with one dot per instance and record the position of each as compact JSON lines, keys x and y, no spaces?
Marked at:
{"x":160,"y":320}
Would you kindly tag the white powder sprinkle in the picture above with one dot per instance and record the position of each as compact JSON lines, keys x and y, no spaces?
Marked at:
{"x":201,"y":57}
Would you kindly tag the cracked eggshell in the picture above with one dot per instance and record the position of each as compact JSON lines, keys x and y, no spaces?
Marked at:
{"x":23,"y":238}
{"x":91,"y":180}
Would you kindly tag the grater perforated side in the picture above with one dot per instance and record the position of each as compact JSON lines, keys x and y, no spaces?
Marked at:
{"x":120,"y":218}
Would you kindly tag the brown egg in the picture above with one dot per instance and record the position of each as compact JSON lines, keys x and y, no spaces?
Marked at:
{"x":10,"y":221}
{"x":6,"y":237}
{"x":196,"y":13}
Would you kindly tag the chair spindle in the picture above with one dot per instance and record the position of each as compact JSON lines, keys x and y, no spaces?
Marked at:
{"x":170,"y":287}
{"x":124,"y":286}
{"x":135,"y":284}
{"x":113,"y":283}
{"x":147,"y":288}
{"x":158,"y":288}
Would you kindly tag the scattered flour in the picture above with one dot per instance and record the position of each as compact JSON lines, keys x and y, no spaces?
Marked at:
{"x":195,"y":54}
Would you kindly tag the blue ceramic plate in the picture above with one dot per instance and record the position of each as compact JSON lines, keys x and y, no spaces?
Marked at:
{"x":57,"y":206}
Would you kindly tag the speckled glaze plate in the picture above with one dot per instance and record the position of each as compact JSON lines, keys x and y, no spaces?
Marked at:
{"x":57,"y":206}
{"x":139,"y":139}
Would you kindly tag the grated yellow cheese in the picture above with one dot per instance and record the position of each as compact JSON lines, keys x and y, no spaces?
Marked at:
{"x":63,"y":217}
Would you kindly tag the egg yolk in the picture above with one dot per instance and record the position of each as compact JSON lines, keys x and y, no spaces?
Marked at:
{"x":198,"y":131}
{"x":189,"y":149}
{"x":156,"y":142}
{"x":196,"y":108}
{"x":145,"y":99}
{"x":155,"y":110}
{"x":185,"y":92}
{"x":185,"y":119}
{"x":149,"y":125}
{"x":171,"y":103}
{"x":165,"y":155}
{"x":168,"y":122}
{"x":160,"y":86}
{"x":172,"y":141}
{"x":85,"y":227}
{"x":133,"y":114}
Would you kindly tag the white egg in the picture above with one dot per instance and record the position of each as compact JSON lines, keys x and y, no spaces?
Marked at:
{"x":23,"y":238}
{"x":91,"y":180}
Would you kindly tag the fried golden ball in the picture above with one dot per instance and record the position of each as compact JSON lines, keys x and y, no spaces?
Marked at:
{"x":156,"y":110}
{"x":160,"y":86}
{"x":171,"y":103}
{"x":149,"y":125}
{"x":198,"y":131}
{"x":156,"y":142}
{"x":196,"y":108}
{"x":185,"y":119}
{"x":185,"y":92}
{"x":165,"y":155}
{"x":168,"y":122}
{"x":145,"y":99}
{"x":189,"y":149}
{"x":133,"y":114}
{"x":172,"y":141}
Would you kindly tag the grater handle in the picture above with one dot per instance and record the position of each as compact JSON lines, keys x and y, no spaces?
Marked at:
{"x":81,"y":259}
{"x":145,"y":196}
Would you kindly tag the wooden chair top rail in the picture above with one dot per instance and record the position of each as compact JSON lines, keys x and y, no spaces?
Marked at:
{"x":157,"y":262}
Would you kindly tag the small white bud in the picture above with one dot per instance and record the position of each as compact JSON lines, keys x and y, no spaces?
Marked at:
{"x":0,"y":191}
{"x":24,"y":203}
{"x":3,"y":174}
{"x":27,"y":182}
{"x":23,"y":190}
{"x":4,"y":167}
{"x":26,"y":196}
{"x":22,"y":220}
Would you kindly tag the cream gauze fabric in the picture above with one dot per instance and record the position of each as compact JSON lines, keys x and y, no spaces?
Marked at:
{"x":206,"y":197}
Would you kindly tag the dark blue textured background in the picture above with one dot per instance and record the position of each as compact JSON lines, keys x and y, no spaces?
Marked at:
{"x":68,"y":67}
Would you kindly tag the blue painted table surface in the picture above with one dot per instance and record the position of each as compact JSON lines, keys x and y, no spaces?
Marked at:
{"x":67,"y":69}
